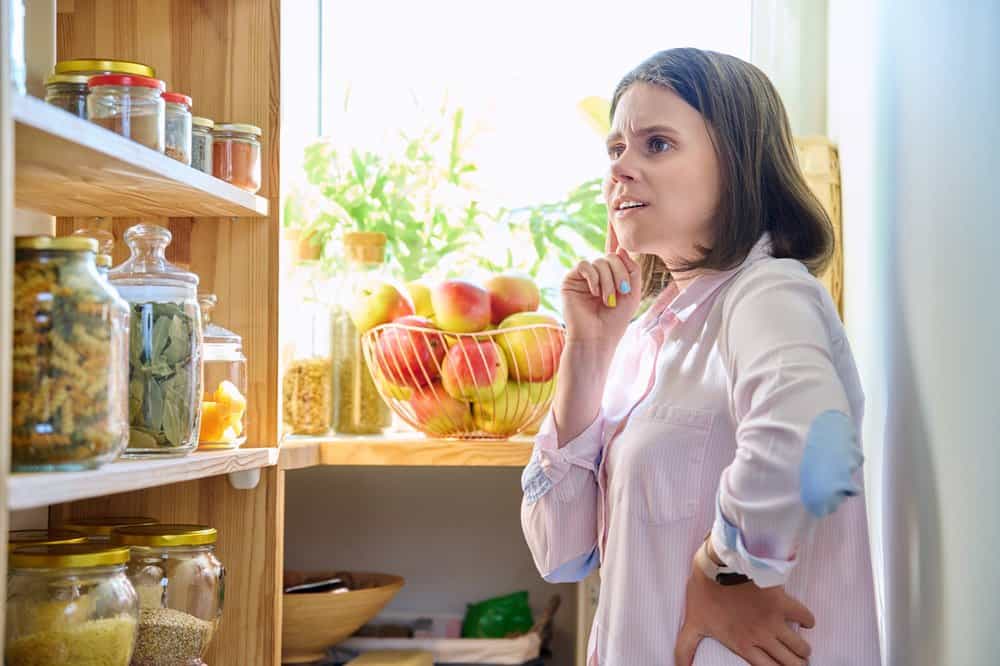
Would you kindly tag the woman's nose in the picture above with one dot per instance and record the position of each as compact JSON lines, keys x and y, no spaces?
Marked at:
{"x":622,"y":169}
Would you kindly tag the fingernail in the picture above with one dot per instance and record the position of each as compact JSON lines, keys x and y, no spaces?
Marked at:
{"x":612,"y":301}
{"x":624,"y":287}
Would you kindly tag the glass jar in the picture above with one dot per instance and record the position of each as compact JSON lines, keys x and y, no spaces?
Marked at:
{"x":201,"y":144}
{"x":68,"y":92}
{"x":98,"y":530}
{"x":223,"y":410}
{"x":181,"y":587}
{"x":129,"y":105}
{"x":359,"y":407}
{"x":105,"y":246}
{"x":95,"y":67}
{"x":70,"y":342}
{"x":165,"y":363}
{"x":49,"y":537}
{"x":236,"y":155}
{"x":70,"y":604}
{"x":178,"y":126}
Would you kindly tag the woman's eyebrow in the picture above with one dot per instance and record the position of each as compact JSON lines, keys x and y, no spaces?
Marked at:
{"x":645,"y":131}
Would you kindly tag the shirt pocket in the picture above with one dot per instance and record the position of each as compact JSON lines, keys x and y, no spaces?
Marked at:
{"x":667,"y":462}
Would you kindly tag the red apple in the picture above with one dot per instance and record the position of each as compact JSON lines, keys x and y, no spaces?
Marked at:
{"x":532,"y":354}
{"x":437,"y":413}
{"x":377,"y":304}
{"x":474,"y":370}
{"x":410,"y":357}
{"x":513,"y":407}
{"x":460,"y":307}
{"x":510,"y":294}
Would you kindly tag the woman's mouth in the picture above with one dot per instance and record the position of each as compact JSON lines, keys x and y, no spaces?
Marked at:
{"x":626,"y":206}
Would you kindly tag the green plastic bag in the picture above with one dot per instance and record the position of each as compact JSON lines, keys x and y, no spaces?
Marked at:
{"x":499,"y":617}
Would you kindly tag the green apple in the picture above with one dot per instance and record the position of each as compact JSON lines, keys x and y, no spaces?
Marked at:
{"x":420,"y":294}
{"x":532,"y":354}
{"x":513,"y":407}
{"x":379,"y":303}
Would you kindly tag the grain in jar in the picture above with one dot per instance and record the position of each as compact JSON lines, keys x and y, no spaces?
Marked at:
{"x":129,"y":105}
{"x":236,"y":155}
{"x":178,"y":126}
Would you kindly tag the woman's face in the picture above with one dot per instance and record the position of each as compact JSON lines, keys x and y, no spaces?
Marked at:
{"x":663,"y":159}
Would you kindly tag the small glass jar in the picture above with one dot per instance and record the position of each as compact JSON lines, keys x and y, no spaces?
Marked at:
{"x":70,"y":604}
{"x":129,"y":105}
{"x":181,"y":587}
{"x":236,"y":155}
{"x":223,"y":410}
{"x":105,"y":246}
{"x":359,"y":407}
{"x":201,"y":144}
{"x":98,"y":530}
{"x":165,"y":363}
{"x":50,"y":537}
{"x":68,"y":92}
{"x":178,"y":126}
{"x":70,"y":397}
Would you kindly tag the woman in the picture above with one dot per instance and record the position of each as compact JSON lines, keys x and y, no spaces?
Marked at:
{"x":730,"y":408}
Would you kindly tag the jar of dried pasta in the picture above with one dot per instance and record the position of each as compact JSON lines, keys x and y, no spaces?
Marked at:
{"x":129,"y":105}
{"x":178,"y":126}
{"x":236,"y":155}
{"x":71,"y":336}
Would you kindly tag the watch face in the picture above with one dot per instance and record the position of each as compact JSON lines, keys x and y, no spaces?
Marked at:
{"x":731,"y":579}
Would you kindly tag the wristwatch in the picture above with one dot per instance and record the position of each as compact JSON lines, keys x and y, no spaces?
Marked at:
{"x":720,"y":573}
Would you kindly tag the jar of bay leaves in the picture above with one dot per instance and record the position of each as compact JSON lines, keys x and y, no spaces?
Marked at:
{"x":359,"y":409}
{"x":165,"y":349}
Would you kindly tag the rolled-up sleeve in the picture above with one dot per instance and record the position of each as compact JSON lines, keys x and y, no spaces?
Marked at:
{"x":797,"y":451}
{"x":559,"y":508}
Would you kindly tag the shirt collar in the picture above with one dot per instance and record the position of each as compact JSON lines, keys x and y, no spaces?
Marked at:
{"x":682,"y":305}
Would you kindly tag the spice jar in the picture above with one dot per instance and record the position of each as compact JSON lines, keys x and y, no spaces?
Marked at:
{"x":70,"y":344}
{"x":359,"y":407}
{"x":129,"y":105}
{"x":98,"y":530}
{"x":178,"y":126}
{"x":201,"y":143}
{"x":68,"y":92}
{"x":236,"y":155}
{"x":223,"y":410}
{"x":180,"y":584}
{"x":165,"y":359}
{"x":94,"y":67}
{"x":70,"y":604}
{"x":49,"y":537}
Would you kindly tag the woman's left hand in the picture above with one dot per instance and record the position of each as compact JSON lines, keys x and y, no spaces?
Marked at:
{"x":749,"y":620}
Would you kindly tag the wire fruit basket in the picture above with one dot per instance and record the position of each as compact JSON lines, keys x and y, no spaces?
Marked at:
{"x":488,"y":385}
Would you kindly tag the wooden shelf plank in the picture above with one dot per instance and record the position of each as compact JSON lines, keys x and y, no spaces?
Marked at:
{"x":26,"y":491}
{"x":66,"y":166}
{"x":407,"y":449}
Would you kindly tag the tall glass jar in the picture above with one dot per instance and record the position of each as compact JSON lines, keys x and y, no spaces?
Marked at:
{"x":178,"y":126}
{"x":70,"y":344}
{"x":68,"y":92}
{"x":223,"y":410}
{"x":359,"y":407}
{"x":129,"y":105}
{"x":201,"y":143}
{"x":98,"y":530}
{"x":181,"y":587}
{"x":236,"y":155}
{"x":70,"y":604}
{"x":165,"y":362}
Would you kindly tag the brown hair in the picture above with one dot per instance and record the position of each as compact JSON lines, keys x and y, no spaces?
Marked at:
{"x":763,"y":188}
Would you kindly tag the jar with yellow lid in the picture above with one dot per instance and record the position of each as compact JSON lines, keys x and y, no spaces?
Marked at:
{"x":43,"y":537}
{"x":68,"y":92}
{"x":236,"y":155}
{"x":70,"y":604}
{"x":70,"y":381}
{"x":105,"y":246}
{"x":180,"y":584}
{"x":98,"y":66}
{"x":98,"y":530}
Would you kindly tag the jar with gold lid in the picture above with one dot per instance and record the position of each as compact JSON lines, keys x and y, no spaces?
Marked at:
{"x":97,"y":66}
{"x":43,"y":537}
{"x":71,"y":341}
{"x":68,"y":92}
{"x":70,"y":604}
{"x":98,"y":530}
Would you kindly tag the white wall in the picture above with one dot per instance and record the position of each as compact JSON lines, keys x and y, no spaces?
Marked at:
{"x":913,"y":99}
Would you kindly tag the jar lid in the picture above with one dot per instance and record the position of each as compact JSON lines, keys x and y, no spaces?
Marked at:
{"x":78,"y":79}
{"x":103,"y":261}
{"x":366,"y":238}
{"x":22,"y":538}
{"x":105,"y":239}
{"x":148,"y":263}
{"x":198,"y":121}
{"x":177,"y":98}
{"x":64,"y":243}
{"x":212,"y":332}
{"x":240,"y":128}
{"x":126,"y":80}
{"x":67,"y":556}
{"x":365,"y":246}
{"x":99,"y":66}
{"x":103,"y":526}
{"x":164,"y":535}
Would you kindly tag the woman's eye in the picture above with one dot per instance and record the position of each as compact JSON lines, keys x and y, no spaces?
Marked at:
{"x":615,"y":151}
{"x":659,"y":145}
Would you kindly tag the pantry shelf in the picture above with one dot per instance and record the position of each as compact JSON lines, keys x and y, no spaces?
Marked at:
{"x":66,"y":166}
{"x":405,"y":449}
{"x":26,"y":491}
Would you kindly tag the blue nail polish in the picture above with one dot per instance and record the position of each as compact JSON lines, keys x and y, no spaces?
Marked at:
{"x":624,"y":287}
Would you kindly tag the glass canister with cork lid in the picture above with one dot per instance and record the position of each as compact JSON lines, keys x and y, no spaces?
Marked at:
{"x":359,"y":408}
{"x":165,"y":351}
{"x":223,"y":410}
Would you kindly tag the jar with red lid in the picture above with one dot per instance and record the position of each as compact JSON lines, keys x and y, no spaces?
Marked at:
{"x":129,"y":105}
{"x":236,"y":155}
{"x":178,"y":126}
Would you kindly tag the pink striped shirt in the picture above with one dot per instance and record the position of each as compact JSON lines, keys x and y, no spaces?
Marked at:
{"x":733,"y":406}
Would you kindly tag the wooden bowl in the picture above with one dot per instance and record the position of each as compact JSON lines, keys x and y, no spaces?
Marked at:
{"x":312,"y":622}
